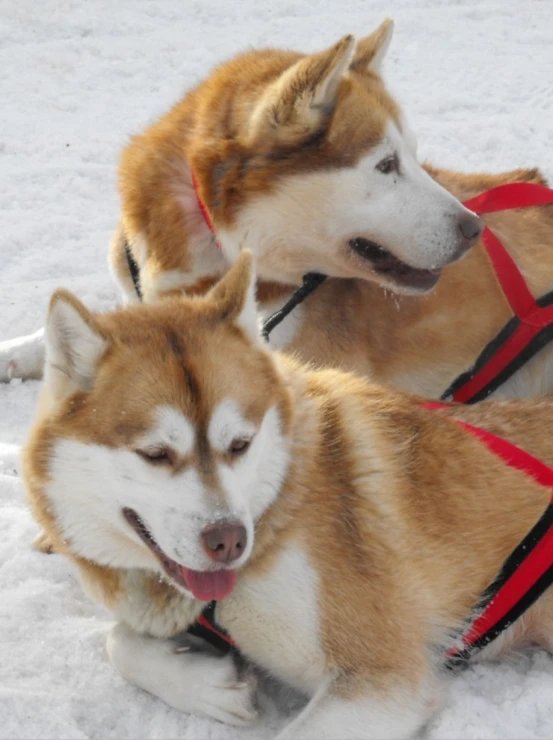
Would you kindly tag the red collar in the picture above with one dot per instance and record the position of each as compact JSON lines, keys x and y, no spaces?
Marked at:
{"x":532,"y":324}
{"x":203,"y":209}
{"x":526,"y":573}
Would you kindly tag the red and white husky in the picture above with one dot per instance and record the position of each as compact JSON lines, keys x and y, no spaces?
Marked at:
{"x":345,"y":531}
{"x":308,"y":161}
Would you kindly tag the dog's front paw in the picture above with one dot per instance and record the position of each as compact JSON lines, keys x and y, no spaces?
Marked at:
{"x":192,"y":681}
{"x":224,"y":696}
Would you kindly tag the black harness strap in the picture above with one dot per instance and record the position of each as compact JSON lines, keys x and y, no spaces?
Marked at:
{"x":207,"y":628}
{"x":459,"y":659}
{"x":134,"y":270}
{"x":310,"y":281}
{"x":541,"y":340}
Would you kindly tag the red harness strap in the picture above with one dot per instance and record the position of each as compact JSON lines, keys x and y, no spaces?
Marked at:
{"x":531,"y":326}
{"x":526,"y":573}
{"x":207,"y":628}
{"x":203,"y":209}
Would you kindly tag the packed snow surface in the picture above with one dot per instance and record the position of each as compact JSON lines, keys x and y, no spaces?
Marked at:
{"x":78,"y":78}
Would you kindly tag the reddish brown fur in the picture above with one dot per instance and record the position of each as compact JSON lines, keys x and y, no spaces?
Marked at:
{"x":392,"y":503}
{"x":403,"y":564}
{"x":423,"y":345}
{"x":210,"y":132}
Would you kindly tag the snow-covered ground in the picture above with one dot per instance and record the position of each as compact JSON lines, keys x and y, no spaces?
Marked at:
{"x":77,"y":78}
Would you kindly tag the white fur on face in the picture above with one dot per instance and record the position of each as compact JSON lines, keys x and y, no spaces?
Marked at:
{"x":253,"y":481}
{"x":172,"y":429}
{"x":226,"y":425}
{"x":306,"y":223}
{"x":91,"y":484}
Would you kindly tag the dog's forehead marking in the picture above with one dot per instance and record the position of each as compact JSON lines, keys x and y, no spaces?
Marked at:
{"x":171,"y":428}
{"x":227,"y":423}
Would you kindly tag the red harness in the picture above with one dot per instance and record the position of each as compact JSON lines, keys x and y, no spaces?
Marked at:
{"x":531,"y":327}
{"x":526,"y":573}
{"x":203,"y":209}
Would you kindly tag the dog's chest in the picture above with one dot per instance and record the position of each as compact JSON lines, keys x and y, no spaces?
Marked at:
{"x":274,"y":619}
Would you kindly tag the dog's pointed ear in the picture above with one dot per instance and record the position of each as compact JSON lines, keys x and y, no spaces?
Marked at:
{"x":74,"y":345}
{"x":371,"y":50}
{"x":233,"y":297}
{"x":298,"y":103}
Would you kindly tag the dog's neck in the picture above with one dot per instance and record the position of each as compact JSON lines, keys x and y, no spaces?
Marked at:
{"x":318,"y":466}
{"x":267,"y":292}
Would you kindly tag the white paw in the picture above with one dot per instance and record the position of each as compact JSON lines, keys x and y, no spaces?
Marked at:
{"x":191,"y":682}
{"x":231,"y":701}
{"x":22,"y":357}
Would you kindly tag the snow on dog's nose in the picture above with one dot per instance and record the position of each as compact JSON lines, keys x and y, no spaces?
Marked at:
{"x":224,"y":543}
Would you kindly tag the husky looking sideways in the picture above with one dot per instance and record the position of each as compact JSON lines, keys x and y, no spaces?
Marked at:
{"x":308,"y":161}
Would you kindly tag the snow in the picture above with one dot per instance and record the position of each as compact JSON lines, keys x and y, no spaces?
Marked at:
{"x":78,"y":78}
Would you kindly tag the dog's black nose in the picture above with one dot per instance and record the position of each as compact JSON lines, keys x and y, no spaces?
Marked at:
{"x":224,"y":542}
{"x":470,"y":227}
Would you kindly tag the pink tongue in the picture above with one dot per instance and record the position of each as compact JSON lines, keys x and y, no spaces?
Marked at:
{"x":209,"y":586}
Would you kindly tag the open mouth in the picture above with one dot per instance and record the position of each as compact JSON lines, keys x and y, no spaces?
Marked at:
{"x":206,"y":585}
{"x":384,"y":263}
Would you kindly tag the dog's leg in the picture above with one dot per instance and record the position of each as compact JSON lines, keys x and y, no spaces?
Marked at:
{"x":22,"y":357}
{"x":193,"y":682}
{"x":335,"y":714}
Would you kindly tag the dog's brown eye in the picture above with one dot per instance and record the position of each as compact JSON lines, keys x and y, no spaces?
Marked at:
{"x":156,"y":456}
{"x":238,"y":446}
{"x":388,"y":165}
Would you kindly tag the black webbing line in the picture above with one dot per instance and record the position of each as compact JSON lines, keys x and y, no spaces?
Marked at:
{"x":310,"y":281}
{"x":537,"y":343}
{"x":213,"y":634}
{"x":524,"y":602}
{"x":133,"y":269}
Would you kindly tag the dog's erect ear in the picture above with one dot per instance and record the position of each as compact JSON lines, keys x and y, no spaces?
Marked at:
{"x":298,"y":103}
{"x":234,"y":297}
{"x":74,"y":345}
{"x":371,"y":50}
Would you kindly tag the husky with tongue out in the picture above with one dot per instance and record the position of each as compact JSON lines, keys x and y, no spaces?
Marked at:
{"x":342,"y":529}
